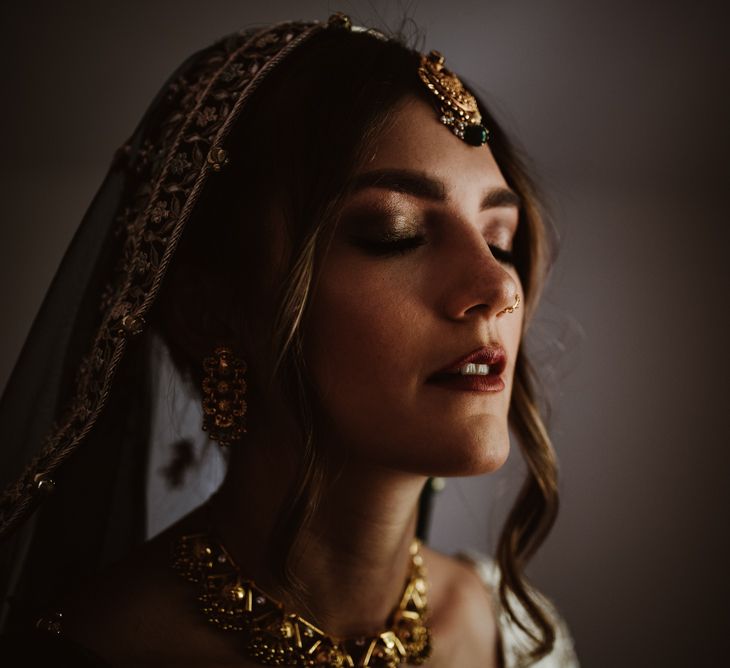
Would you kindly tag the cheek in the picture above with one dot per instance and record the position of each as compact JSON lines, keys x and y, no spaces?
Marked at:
{"x":362,"y":341}
{"x":365,"y":346}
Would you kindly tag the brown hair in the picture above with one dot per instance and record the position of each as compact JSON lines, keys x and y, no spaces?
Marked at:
{"x":291,"y":155}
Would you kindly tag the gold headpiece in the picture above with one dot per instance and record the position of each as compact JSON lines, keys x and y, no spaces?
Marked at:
{"x":459,"y":109}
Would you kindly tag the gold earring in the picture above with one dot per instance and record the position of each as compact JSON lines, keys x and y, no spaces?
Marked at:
{"x":224,"y":408}
{"x":513,"y":308}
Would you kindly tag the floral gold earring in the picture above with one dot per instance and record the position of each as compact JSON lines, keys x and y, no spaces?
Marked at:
{"x":224,"y":406}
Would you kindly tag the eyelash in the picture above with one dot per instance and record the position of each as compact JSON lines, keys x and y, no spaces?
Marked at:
{"x":389,"y":247}
{"x":404,"y":245}
{"x":502,"y":255}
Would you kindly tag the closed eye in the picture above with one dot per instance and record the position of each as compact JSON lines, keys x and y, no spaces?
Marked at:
{"x":390,"y":246}
{"x":502,"y":255}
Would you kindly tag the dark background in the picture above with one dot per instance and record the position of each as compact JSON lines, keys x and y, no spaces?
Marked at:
{"x":624,"y":108}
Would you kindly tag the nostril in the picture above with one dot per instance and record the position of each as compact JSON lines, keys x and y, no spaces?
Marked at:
{"x":477,"y":308}
{"x":483,"y":288}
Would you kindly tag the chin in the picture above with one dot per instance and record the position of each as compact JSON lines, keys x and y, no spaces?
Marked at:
{"x":493,"y":458}
{"x":435,"y":448}
{"x":482,"y":449}
{"x":474,"y":458}
{"x":481,"y":446}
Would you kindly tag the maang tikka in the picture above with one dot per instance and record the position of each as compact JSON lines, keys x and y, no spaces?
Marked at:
{"x":224,"y":408}
{"x":459,"y":108}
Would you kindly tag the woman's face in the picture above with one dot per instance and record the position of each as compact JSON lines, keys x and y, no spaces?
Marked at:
{"x":416,"y":279}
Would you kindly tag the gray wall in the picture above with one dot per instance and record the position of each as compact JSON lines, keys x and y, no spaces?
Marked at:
{"x":624,"y":109}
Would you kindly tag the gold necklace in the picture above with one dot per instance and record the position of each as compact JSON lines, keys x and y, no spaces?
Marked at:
{"x":274,"y":637}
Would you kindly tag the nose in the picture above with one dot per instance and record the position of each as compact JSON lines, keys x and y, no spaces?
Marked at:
{"x":479,"y":285}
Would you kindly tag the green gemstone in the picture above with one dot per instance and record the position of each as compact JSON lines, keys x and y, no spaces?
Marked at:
{"x":476,"y":135}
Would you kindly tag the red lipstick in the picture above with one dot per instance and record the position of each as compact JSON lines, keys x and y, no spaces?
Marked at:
{"x":451,"y":376}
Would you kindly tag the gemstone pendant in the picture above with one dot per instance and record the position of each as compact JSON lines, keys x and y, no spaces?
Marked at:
{"x":476,"y":134}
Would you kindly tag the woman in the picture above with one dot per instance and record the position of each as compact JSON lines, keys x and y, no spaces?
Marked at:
{"x":349,"y":248}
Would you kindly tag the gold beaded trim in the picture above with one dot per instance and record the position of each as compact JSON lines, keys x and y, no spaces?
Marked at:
{"x":274,"y":637}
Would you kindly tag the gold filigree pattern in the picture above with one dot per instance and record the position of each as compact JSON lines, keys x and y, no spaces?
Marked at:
{"x":274,"y":637}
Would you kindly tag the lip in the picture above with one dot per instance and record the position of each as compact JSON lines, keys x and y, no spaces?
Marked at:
{"x":493,"y":355}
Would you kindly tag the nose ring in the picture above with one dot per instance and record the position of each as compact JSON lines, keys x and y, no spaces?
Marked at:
{"x":513,"y":308}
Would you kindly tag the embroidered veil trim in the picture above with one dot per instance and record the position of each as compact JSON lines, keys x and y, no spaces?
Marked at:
{"x":168,"y":167}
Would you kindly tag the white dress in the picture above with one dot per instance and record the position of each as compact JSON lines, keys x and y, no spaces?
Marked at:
{"x":516,"y":643}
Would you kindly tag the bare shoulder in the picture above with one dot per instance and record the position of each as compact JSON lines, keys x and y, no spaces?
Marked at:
{"x":462,"y":610}
{"x":456,"y":583}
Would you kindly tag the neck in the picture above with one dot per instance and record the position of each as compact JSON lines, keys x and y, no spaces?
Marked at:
{"x":352,"y":560}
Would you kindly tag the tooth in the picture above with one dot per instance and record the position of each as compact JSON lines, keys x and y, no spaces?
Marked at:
{"x":468,"y":369}
{"x":483,"y":369}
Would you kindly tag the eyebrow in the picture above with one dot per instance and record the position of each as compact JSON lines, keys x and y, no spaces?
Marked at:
{"x":419,"y":184}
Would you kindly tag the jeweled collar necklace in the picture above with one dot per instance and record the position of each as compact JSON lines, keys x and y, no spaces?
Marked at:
{"x":272,"y":636}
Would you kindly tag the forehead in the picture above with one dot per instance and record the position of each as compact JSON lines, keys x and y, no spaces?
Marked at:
{"x":415,"y":139}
